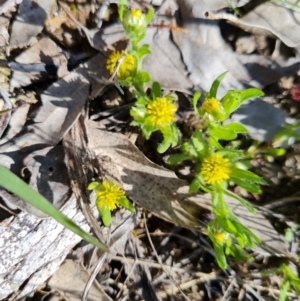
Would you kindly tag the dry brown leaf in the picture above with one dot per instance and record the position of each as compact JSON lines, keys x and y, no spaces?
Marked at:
{"x":45,"y":51}
{"x":264,"y":20}
{"x":29,"y":22}
{"x":70,"y":280}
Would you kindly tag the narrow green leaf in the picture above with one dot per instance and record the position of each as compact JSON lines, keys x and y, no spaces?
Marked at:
{"x":221,"y":133}
{"x":178,"y":158}
{"x":251,"y":93}
{"x":161,"y":148}
{"x":214,"y":87}
{"x":278,"y":152}
{"x":105,"y":215}
{"x":122,"y":9}
{"x":194,"y":186}
{"x":14,"y":184}
{"x":236,"y":127}
{"x":156,"y":90}
{"x":195,"y":99}
{"x":150,"y":15}
{"x":126,"y":204}
{"x":247,"y":175}
{"x":249,"y":186}
{"x":93,"y":185}
{"x":284,"y":288}
{"x":241,"y":200}
{"x":220,"y":256}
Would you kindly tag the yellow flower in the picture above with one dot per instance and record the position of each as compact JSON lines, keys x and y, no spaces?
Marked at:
{"x":127,"y":66}
{"x":215,"y":169}
{"x":210,"y":105}
{"x":136,"y":13}
{"x":108,"y":194}
{"x":160,"y":112}
{"x":220,"y":237}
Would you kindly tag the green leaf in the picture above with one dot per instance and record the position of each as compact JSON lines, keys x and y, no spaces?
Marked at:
{"x":161,"y":148}
{"x":284,"y":288}
{"x":178,"y":158}
{"x":197,"y":141}
{"x":105,"y":215}
{"x":214,"y":87}
{"x":156,"y":90}
{"x":122,"y":9}
{"x":220,"y":256}
{"x":144,"y":50}
{"x":150,"y":15}
{"x":251,"y":93}
{"x":142,"y":78}
{"x":93,"y":185}
{"x":241,"y":200}
{"x":195,"y":99}
{"x":12,"y":183}
{"x":289,"y":235}
{"x":126,"y":204}
{"x":236,"y":127}
{"x":231,"y":101}
{"x":194,"y":186}
{"x":249,"y":186}
{"x":247,"y":175}
{"x":220,"y":133}
{"x":278,"y":152}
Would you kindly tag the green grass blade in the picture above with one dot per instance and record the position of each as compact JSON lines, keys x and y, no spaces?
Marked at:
{"x":14,"y":184}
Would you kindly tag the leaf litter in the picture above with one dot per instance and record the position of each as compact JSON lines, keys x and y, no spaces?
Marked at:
{"x":187,"y":56}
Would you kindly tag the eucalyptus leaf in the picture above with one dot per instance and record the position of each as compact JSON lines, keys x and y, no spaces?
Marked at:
{"x":14,"y":184}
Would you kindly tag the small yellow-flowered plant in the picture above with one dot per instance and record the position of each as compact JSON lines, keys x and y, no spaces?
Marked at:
{"x":215,"y":169}
{"x":161,"y":112}
{"x":127,"y":65}
{"x":108,"y":196}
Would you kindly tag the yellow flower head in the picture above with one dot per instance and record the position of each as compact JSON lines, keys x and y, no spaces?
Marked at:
{"x":127,"y":66}
{"x":215,"y":169}
{"x":220,"y":237}
{"x":210,"y":105}
{"x":108,"y":194}
{"x":136,"y":13}
{"x":135,"y":21}
{"x":160,"y":112}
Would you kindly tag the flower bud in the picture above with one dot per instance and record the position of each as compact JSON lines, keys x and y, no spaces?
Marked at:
{"x":135,"y":21}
